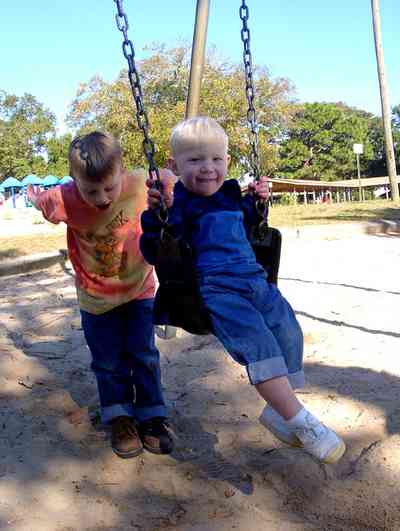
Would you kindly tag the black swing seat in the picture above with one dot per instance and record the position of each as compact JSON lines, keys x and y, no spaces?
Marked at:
{"x":267,"y":244}
{"x":178,"y":301}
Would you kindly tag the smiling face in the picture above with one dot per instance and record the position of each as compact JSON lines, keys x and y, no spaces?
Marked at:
{"x":102,"y":194}
{"x":202,"y":166}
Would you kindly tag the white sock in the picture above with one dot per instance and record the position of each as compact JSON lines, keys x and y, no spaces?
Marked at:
{"x":299,"y":420}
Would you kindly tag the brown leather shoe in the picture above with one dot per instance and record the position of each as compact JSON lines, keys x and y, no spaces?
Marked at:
{"x":155,"y":436}
{"x":125,"y":440}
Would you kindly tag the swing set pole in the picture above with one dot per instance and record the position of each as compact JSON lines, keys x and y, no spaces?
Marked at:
{"x":197,"y":59}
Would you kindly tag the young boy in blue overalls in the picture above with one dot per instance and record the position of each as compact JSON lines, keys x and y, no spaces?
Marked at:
{"x":250,"y":317}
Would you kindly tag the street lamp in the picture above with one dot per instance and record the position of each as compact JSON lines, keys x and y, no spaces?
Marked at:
{"x":358,"y":150}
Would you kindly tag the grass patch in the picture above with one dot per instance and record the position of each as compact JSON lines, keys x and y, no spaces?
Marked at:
{"x":297,"y":215}
{"x":280,"y":216}
{"x":31,"y":244}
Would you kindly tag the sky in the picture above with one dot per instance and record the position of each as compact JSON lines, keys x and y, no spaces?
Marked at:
{"x":325,"y":48}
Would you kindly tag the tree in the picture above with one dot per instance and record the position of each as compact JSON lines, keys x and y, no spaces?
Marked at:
{"x":376,"y":136}
{"x":319,"y":142}
{"x":57,"y":155}
{"x":24,"y":127}
{"x":164,"y":78}
{"x":396,"y":117}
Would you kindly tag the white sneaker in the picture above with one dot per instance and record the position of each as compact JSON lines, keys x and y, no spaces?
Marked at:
{"x":278,"y":426}
{"x":320,"y":441}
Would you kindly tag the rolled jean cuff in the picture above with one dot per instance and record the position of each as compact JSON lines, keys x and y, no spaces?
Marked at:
{"x":144,"y":413}
{"x":109,"y":413}
{"x":263,"y":370}
{"x":297,"y":379}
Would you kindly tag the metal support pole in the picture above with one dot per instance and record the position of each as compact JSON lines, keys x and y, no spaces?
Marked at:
{"x":196,"y":74}
{"x":197,"y":59}
{"x":386,"y":112}
{"x":359,"y":177}
{"x":270,"y":194}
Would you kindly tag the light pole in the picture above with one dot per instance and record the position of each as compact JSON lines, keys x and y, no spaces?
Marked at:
{"x":391,"y":165}
{"x":358,"y":149}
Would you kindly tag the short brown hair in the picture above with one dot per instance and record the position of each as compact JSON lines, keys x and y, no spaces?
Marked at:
{"x":94,"y":156}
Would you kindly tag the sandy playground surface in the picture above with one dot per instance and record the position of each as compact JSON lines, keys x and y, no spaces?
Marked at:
{"x":58,"y":473}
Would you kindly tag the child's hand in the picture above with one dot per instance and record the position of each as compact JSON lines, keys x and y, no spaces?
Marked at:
{"x":32,"y":195}
{"x":261,"y":188}
{"x":168,"y":180}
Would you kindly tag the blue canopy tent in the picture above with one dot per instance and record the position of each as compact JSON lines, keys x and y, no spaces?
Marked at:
{"x":49,"y":181}
{"x":66,"y":179}
{"x":11,"y":184}
{"x":32,"y":179}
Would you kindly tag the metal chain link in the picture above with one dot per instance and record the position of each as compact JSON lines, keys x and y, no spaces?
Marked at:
{"x":141,"y":114}
{"x":250,"y":92}
{"x":262,"y":206}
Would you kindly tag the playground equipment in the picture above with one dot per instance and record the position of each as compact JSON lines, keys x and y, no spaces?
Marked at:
{"x":11,"y":186}
{"x":50,"y":181}
{"x":177,"y":296}
{"x":32,"y":179}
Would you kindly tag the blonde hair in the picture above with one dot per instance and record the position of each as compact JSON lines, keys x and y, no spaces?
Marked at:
{"x":94,"y":156}
{"x":195,"y":130}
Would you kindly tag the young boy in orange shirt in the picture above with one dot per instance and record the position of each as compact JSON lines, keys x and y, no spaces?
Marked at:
{"x":115,"y":289}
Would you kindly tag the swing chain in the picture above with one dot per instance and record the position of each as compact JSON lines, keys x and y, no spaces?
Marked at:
{"x":261,"y":205}
{"x":141,"y":114}
{"x":250,"y":92}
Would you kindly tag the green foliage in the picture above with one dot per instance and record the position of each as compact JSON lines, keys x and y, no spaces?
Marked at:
{"x":396,"y":117}
{"x":288,"y":199}
{"x":319,"y":142}
{"x":310,"y":141}
{"x":235,"y":172}
{"x":164,"y":77}
{"x":25,"y":125}
{"x":57,"y":155}
{"x":377,"y":166}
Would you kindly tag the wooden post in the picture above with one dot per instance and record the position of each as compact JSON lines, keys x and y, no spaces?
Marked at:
{"x":386,"y":112}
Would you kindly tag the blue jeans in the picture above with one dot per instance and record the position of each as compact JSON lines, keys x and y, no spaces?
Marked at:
{"x":126,"y":361}
{"x":256,"y":325}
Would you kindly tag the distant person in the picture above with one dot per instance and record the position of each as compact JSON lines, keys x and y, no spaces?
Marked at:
{"x":326,"y":197}
{"x":250,"y":317}
{"x":115,"y":288}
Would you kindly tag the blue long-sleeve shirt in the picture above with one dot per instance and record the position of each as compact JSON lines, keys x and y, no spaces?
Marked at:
{"x":216,"y":228}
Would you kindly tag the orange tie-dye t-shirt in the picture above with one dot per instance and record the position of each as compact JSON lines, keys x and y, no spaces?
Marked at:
{"x":103,"y":246}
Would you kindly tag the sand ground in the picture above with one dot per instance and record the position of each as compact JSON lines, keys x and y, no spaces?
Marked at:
{"x":58,"y":473}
